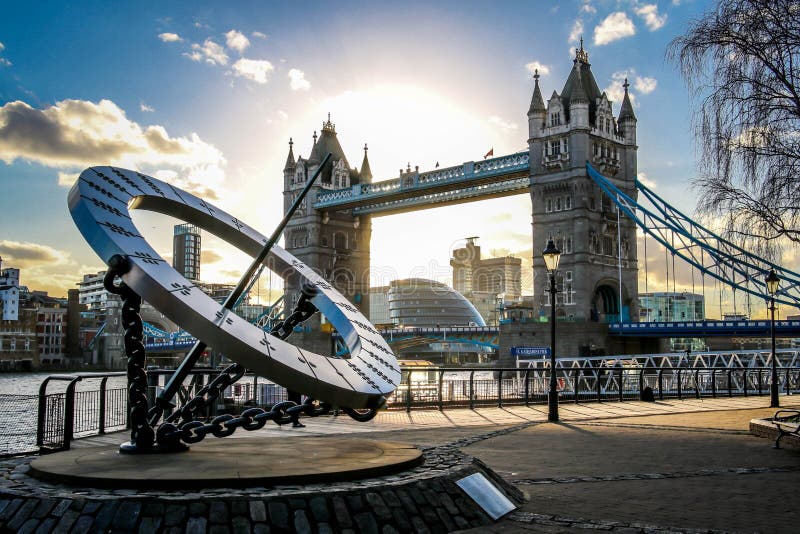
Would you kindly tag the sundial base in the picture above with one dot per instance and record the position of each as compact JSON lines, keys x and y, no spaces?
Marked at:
{"x":130,"y":447}
{"x":230,"y":463}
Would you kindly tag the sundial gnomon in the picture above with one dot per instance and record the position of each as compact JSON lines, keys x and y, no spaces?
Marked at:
{"x":100,"y":204}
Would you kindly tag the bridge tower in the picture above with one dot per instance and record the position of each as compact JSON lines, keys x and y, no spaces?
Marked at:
{"x":333,"y":243}
{"x":574,"y":127}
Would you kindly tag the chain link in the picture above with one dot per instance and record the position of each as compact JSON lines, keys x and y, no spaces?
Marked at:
{"x":142,"y":434}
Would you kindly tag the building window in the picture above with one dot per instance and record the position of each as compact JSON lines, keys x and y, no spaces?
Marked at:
{"x":548,"y":205}
{"x":555,"y":147}
{"x":569,"y":292}
{"x":567,"y":203}
{"x":564,"y":146}
{"x":558,"y":204}
{"x":555,"y":119}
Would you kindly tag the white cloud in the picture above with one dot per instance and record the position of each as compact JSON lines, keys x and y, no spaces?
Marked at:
{"x":576,"y":32}
{"x":73,"y":134}
{"x":649,"y":13}
{"x":3,"y":61}
{"x":298,"y":80}
{"x":66,"y":179}
{"x":494,"y":120}
{"x":170,"y":37}
{"x":27,"y":255}
{"x":533,"y":66}
{"x":213,"y":53}
{"x":237,"y":41}
{"x":641,"y":84}
{"x":613,"y":27}
{"x":587,"y":7}
{"x":145,"y":108}
{"x":642,"y":177}
{"x":644,"y":85}
{"x":259,"y":35}
{"x":253,"y":69}
{"x":282,"y":115}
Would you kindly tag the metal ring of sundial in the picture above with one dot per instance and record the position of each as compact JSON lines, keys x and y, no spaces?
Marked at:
{"x":99,"y":203}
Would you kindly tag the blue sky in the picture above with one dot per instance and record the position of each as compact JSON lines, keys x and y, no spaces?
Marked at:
{"x":206,"y":94}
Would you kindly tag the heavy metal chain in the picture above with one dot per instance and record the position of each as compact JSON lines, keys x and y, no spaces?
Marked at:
{"x":142,"y":434}
{"x":183,"y":424}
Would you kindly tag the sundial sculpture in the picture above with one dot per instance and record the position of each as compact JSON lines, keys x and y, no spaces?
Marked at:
{"x":100,"y":204}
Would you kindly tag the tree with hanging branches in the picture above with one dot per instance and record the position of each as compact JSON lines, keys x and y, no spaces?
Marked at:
{"x":740,"y":61}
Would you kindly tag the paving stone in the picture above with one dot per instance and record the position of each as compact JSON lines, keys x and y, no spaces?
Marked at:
{"x":355,"y":503}
{"x":417,"y":496}
{"x":173,"y":530}
{"x":3,"y":504}
{"x":197,"y":509}
{"x":83,"y":525}
{"x":240,"y":525}
{"x":407,"y":501}
{"x":389,"y":529}
{"x":301,"y":524}
{"x":366,"y":523}
{"x":218,"y":514}
{"x":261,"y":528}
{"x":153,"y":509}
{"x":66,"y":521}
{"x":47,"y":526}
{"x":319,"y":509}
{"x":22,"y":514}
{"x":460,"y":522}
{"x":391,"y":498}
{"x":400,"y":519}
{"x":29,"y":526}
{"x":429,"y":515}
{"x":127,"y":515}
{"x":106,"y":514}
{"x":219,"y":529}
{"x":444,"y":517}
{"x":324,"y":528}
{"x":150,"y":525}
{"x":45,"y":505}
{"x":466,"y":507}
{"x":239,"y":507}
{"x":91,"y":507}
{"x":258,"y":512}
{"x":343,"y":518}
{"x":279,"y":514}
{"x":590,"y":526}
{"x":11,"y":508}
{"x":62,"y":506}
{"x":174,"y":515}
{"x":378,"y":506}
{"x":419,"y":525}
{"x":196,"y":525}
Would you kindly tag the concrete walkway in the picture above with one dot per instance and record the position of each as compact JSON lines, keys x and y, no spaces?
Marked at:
{"x":672,"y":466}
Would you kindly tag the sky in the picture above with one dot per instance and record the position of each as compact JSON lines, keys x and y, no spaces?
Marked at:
{"x":207,"y":94}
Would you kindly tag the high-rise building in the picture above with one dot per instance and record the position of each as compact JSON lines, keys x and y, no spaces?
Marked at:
{"x":489,"y":275}
{"x":424,"y":303}
{"x":186,"y":251}
{"x":9,"y":293}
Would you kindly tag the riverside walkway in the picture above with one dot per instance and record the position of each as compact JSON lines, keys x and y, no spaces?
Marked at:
{"x":671,"y":466}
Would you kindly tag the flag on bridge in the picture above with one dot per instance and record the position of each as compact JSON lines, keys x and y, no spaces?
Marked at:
{"x":490,"y":153}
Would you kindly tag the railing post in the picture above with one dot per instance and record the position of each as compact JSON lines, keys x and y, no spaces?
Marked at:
{"x":697,"y":383}
{"x":527,"y":387}
{"x":69,"y":412}
{"x":408,"y":392}
{"x":788,"y":390}
{"x":500,"y":389}
{"x":101,"y":417}
{"x":759,"y":383}
{"x":730,"y":382}
{"x":255,"y":389}
{"x":641,"y":382}
{"x":575,"y":384}
{"x":599,"y":374}
{"x":439,"y":393}
{"x":679,"y":384}
{"x":661,"y":384}
{"x":40,"y":423}
{"x":620,"y":385}
{"x":472,"y":389}
{"x":744,"y":380}
{"x":714,"y":383}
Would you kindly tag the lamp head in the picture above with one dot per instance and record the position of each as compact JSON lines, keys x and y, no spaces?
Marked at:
{"x":551,"y":256}
{"x":772,"y":282}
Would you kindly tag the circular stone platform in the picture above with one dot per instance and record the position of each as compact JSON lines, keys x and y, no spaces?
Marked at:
{"x":230,"y":463}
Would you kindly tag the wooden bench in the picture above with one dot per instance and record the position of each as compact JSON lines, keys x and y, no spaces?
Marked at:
{"x":787,"y":422}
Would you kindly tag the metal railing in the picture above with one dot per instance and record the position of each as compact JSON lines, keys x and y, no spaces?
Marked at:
{"x":71,"y":413}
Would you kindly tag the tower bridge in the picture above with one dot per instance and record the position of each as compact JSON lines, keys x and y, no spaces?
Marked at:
{"x":580,"y":171}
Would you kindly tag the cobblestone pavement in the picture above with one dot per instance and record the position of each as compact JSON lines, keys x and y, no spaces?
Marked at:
{"x":678,"y":466}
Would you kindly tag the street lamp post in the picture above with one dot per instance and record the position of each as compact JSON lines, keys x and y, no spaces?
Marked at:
{"x":772,"y":281}
{"x":551,"y":256}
